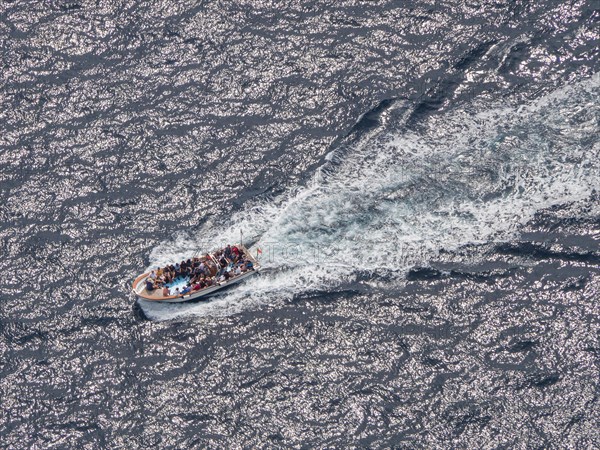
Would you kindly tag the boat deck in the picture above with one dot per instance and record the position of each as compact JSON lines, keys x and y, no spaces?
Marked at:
{"x":139,"y":285}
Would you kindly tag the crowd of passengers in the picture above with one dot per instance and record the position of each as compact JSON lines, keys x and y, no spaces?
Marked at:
{"x":200,"y":272}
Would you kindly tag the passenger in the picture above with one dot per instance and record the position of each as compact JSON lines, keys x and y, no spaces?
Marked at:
{"x":149,"y":284}
{"x":249,"y":265}
{"x":165,"y":292}
{"x":186,"y":290}
{"x":197,"y":287}
{"x":237,"y":270}
{"x":177,"y":293}
{"x":224,"y":276}
{"x":153,"y":275}
{"x":227,"y":252}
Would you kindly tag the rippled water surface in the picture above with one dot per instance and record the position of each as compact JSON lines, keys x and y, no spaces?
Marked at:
{"x":421,"y":177}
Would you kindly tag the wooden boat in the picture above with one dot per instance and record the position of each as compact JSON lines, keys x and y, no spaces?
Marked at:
{"x":214,"y":267}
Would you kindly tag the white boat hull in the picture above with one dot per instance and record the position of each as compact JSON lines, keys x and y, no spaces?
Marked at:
{"x":139,"y":287}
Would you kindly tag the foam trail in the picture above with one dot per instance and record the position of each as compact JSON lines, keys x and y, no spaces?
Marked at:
{"x":395,"y":199}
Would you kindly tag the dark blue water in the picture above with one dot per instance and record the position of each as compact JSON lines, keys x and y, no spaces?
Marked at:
{"x":421,"y":177}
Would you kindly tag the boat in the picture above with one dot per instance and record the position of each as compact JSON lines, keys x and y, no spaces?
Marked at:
{"x":219,"y":267}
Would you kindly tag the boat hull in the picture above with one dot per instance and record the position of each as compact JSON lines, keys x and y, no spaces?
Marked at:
{"x":139,"y":285}
{"x":140,"y":292}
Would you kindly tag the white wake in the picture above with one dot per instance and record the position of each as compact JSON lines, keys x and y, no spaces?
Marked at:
{"x":397,"y":199}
